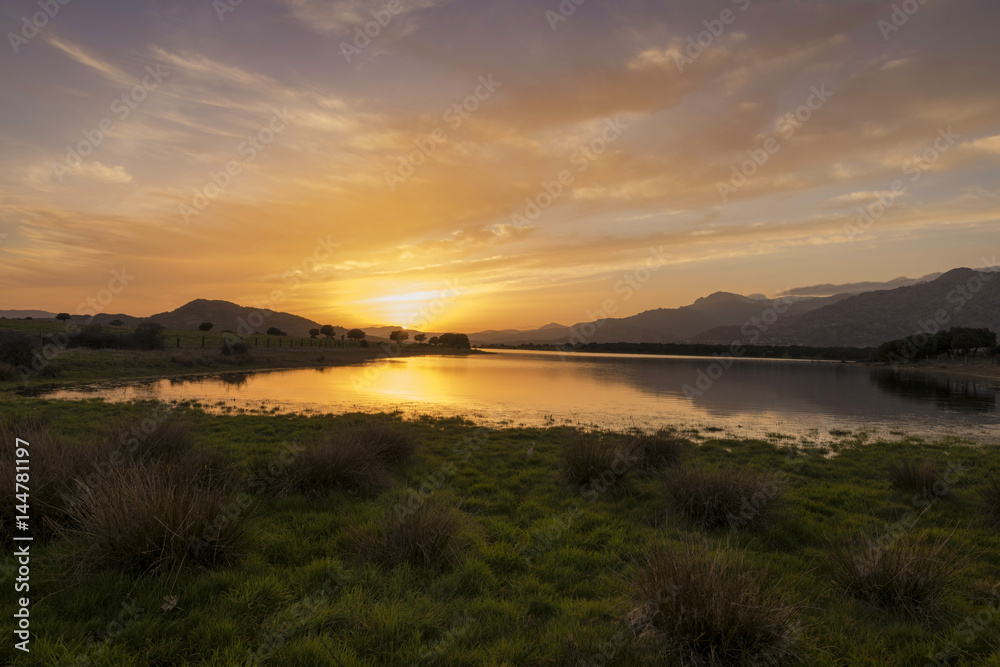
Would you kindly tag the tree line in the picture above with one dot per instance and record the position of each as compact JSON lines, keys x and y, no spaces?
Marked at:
{"x":957,"y":340}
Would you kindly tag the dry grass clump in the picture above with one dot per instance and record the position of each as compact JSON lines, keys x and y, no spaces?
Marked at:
{"x":7,"y":372}
{"x":990,"y":499}
{"x":911,"y":570}
{"x":657,"y":451}
{"x":596,"y":459}
{"x":393,"y":444}
{"x":154,"y":514}
{"x":710,"y":606}
{"x":430,"y":534}
{"x":917,"y":476}
{"x":713,"y":498}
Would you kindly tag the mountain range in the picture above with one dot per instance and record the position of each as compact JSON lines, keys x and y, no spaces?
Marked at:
{"x":867,"y":314}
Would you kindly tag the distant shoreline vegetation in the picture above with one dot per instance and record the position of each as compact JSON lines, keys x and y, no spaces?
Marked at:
{"x":708,"y":350}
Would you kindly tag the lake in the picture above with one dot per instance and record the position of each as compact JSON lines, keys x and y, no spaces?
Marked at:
{"x":752,"y":397}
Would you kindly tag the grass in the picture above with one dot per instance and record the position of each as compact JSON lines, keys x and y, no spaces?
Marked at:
{"x":990,"y":499}
{"x":499,"y":563}
{"x":657,"y":451}
{"x":590,"y":459}
{"x":914,"y":570}
{"x":713,"y":606}
{"x":714,"y":498}
{"x":917,"y":475}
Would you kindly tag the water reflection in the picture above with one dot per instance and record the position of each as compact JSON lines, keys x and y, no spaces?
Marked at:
{"x":539,"y":387}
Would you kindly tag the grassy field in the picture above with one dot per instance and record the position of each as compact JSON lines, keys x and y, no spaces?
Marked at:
{"x":367,"y":540}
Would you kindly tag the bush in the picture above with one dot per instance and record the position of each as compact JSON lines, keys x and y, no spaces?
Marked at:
{"x":737,"y":499}
{"x":148,"y":336}
{"x":430,"y":534}
{"x":391,"y":443}
{"x":657,"y":451}
{"x":234,"y":347}
{"x":917,"y":475}
{"x":710,"y":607}
{"x":169,"y":439}
{"x":16,"y":349}
{"x":589,"y":458}
{"x":990,"y":499}
{"x":150,"y":515}
{"x":912,"y":571}
{"x":7,"y":372}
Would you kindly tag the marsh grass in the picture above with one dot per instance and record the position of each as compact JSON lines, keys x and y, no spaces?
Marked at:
{"x":913,"y":571}
{"x":338,"y":463}
{"x":712,"y":606}
{"x":589,"y":458}
{"x":714,"y":498}
{"x":917,"y":475}
{"x":989,"y":497}
{"x":152,"y":515}
{"x":657,"y":451}
{"x":431,"y":534}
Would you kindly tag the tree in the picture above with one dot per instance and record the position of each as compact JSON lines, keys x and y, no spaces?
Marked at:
{"x":62,"y":316}
{"x":275,"y":331}
{"x":314,"y":333}
{"x":356,"y":334}
{"x":116,"y":323}
{"x":434,"y":340}
{"x":148,"y":336}
{"x":328,"y":330}
{"x":420,"y":337}
{"x":458,"y":340}
{"x":965,"y":342}
{"x":399,"y":336}
{"x":205,"y":326}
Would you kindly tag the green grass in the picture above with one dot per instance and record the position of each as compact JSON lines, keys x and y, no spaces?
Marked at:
{"x":538,"y":574}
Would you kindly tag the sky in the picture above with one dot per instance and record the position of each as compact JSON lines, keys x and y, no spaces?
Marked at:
{"x":489,"y":164}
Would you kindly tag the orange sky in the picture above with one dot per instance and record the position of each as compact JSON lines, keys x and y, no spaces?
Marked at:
{"x":357,"y":192}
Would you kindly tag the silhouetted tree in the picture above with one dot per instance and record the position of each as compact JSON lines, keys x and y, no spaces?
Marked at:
{"x":356,"y":334}
{"x":62,"y":316}
{"x":205,"y":326}
{"x":434,"y":340}
{"x":314,"y":333}
{"x":420,"y":337}
{"x":399,"y":336}
{"x":275,"y":331}
{"x":328,"y":330}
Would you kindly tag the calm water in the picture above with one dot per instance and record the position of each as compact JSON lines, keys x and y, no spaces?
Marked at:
{"x":751,"y":397}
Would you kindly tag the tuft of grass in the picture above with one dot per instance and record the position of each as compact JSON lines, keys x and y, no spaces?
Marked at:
{"x":713,"y":498}
{"x":589,"y":458}
{"x":710,"y":606}
{"x":393,"y":444}
{"x":430,"y":534}
{"x":657,"y":451}
{"x":154,"y":515}
{"x":915,"y":475}
{"x":168,"y":439}
{"x":335,"y":463}
{"x":912,"y":571}
{"x":7,"y":372}
{"x":990,"y":499}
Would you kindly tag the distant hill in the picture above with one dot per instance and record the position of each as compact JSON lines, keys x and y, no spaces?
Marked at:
{"x":871,"y":318}
{"x":225,"y":315}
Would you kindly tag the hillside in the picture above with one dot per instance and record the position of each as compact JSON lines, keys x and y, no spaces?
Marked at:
{"x":226,"y":315}
{"x":871,"y":318}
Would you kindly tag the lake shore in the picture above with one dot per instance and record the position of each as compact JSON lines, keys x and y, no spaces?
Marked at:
{"x":984,"y":369}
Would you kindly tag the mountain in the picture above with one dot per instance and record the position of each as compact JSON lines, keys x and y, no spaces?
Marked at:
{"x":21,"y":314}
{"x":228,"y":316}
{"x":827,"y":289}
{"x":960,"y":297}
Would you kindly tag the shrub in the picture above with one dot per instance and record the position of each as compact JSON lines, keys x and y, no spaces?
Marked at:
{"x":148,"y":336}
{"x":169,"y":439}
{"x":916,"y":475}
{"x":589,"y":459}
{"x":16,"y":348}
{"x":336,"y":463}
{"x":990,"y":499}
{"x":7,"y":372}
{"x":430,"y":534}
{"x":711,"y":607}
{"x":657,"y":451}
{"x":234,"y":347}
{"x":52,"y":370}
{"x":149,"y":515}
{"x":737,"y":499}
{"x":911,"y":571}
